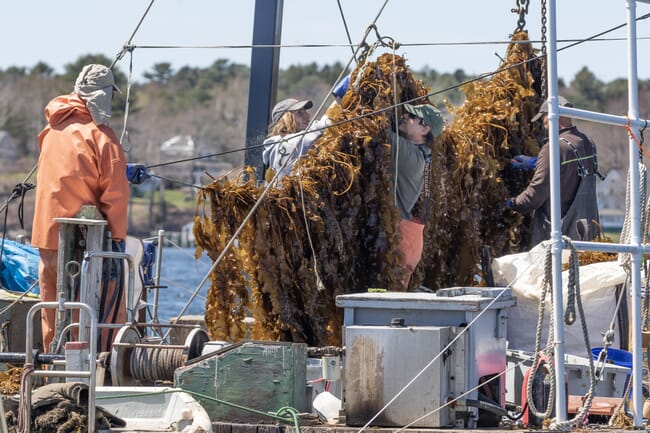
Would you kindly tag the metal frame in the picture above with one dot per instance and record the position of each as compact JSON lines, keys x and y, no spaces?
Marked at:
{"x":26,"y":389}
{"x":634,"y":248}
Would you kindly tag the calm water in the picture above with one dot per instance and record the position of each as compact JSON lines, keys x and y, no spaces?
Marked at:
{"x":181,"y":273}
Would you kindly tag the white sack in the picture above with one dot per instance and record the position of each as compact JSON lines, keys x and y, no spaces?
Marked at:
{"x":524,"y":273}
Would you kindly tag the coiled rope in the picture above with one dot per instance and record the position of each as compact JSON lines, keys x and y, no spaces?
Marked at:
{"x":573,"y":299}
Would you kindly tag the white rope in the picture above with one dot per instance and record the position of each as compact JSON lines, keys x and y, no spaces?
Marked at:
{"x":573,"y":297}
{"x":625,"y":259}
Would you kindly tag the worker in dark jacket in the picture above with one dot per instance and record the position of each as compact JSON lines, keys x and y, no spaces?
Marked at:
{"x":578,"y":167}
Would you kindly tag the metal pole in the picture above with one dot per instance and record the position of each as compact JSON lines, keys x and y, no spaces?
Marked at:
{"x":267,"y":30}
{"x":156,"y":293}
{"x":635,"y":210}
{"x":556,"y":211}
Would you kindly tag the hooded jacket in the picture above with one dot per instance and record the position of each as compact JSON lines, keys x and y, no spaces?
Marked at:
{"x":80,"y":163}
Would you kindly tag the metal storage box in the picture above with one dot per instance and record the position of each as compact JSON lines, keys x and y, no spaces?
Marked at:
{"x":381,"y":361}
{"x":482,"y":311}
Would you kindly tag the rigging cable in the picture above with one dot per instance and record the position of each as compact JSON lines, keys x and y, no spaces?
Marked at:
{"x":127,"y":46}
{"x":412,"y":44}
{"x":434,"y":93}
{"x":347,"y":31}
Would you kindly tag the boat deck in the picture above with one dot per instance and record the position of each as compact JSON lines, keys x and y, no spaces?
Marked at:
{"x":219,"y":427}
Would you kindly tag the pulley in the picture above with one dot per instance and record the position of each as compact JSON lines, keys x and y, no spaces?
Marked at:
{"x":135,"y":363}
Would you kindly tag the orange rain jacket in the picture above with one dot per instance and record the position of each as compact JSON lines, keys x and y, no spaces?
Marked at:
{"x":80,"y":163}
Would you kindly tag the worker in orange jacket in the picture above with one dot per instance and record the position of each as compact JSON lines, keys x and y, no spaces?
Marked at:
{"x":81,"y":162}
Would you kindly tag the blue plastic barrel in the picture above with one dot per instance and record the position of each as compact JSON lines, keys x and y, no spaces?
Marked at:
{"x":614,"y":356}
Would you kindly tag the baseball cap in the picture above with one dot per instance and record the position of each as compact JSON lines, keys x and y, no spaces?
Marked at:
{"x":288,"y":105}
{"x":94,"y":77}
{"x":562,"y":101}
{"x":430,"y":116}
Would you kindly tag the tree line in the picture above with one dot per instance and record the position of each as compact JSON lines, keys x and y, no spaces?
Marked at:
{"x":210,"y":104}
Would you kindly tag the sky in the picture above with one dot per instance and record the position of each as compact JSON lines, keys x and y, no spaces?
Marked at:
{"x":58,"y":32}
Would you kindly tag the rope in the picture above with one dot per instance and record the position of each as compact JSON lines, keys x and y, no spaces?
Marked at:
{"x":125,"y":132}
{"x":625,"y":259}
{"x":19,"y":191}
{"x":619,"y":418}
{"x":573,"y":298}
{"x":574,"y":289}
{"x":546,"y":284}
{"x":24,"y":424}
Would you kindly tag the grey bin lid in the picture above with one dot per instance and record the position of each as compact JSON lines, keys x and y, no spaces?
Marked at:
{"x":454,"y":298}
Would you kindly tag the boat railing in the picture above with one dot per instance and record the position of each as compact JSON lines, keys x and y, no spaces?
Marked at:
{"x":30,"y":371}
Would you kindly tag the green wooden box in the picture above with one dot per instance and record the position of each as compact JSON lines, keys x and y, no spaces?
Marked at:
{"x":260,"y":375}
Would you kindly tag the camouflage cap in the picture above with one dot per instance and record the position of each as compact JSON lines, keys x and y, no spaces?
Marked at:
{"x":430,"y":116}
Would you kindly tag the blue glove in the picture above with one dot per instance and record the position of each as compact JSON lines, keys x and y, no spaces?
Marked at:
{"x":136,"y":173}
{"x":508,"y":203}
{"x":341,"y":87}
{"x":523,"y":162}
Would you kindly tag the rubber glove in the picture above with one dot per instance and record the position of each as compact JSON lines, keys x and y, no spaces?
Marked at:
{"x":508,"y":203}
{"x":523,"y":162}
{"x":136,"y":173}
{"x":341,"y":87}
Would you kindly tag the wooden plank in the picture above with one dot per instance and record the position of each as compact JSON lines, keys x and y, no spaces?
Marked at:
{"x":599,"y":406}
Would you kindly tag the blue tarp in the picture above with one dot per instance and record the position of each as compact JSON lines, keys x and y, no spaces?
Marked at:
{"x":19,"y":267}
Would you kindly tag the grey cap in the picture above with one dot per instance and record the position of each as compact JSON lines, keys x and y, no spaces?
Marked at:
{"x":430,"y":116}
{"x":94,"y":77}
{"x":288,"y":105}
{"x":561,"y":100}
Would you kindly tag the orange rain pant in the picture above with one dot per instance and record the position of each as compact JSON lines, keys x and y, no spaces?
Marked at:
{"x":411,"y":246}
{"x":47,"y":285}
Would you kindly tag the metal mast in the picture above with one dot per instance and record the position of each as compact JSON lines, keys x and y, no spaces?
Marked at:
{"x":265,"y":55}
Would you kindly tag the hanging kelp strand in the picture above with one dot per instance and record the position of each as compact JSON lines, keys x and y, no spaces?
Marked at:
{"x":474,"y":176}
{"x":339,"y":194}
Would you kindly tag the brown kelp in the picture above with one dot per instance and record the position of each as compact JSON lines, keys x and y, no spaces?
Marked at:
{"x":474,"y":173}
{"x":329,"y":227}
